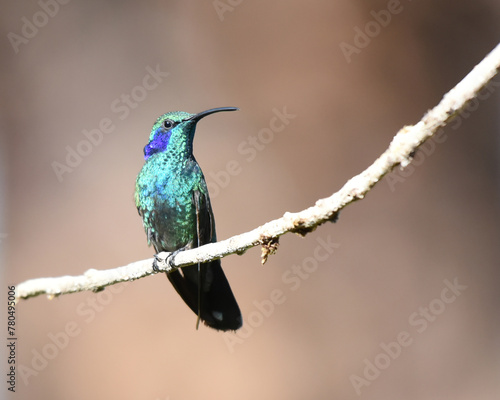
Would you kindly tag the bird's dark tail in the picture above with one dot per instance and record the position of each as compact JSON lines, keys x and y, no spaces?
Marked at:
{"x":217,"y":306}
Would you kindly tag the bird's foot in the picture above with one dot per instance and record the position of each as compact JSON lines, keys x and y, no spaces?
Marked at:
{"x":159,"y":262}
{"x":170,"y":260}
{"x":165,"y":264}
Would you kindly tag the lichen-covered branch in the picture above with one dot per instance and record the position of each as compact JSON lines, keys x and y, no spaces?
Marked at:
{"x":399,"y":153}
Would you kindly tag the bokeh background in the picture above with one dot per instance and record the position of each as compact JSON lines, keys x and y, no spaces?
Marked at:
{"x":393,"y":251}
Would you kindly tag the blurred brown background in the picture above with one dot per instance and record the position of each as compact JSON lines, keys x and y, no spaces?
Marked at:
{"x":437,"y":221}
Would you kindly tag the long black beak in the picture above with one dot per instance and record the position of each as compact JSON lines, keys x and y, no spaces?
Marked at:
{"x":202,"y":114}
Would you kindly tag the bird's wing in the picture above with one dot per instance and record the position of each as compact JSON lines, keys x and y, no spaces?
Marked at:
{"x":204,"y":287}
{"x":188,"y":281}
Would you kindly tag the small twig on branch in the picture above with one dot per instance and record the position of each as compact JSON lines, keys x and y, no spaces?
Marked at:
{"x":400,"y":152}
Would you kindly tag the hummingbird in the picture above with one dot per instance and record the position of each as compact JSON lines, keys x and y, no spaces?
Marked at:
{"x":172,"y":198}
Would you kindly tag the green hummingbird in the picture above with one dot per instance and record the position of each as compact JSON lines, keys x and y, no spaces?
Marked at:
{"x":172,"y":198}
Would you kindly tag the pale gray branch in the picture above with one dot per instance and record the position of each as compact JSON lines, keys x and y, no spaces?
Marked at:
{"x":400,"y":152}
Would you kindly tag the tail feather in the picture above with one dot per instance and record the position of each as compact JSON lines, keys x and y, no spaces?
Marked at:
{"x":219,"y":309}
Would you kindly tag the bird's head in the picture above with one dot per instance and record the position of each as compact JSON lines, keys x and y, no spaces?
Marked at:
{"x":176,"y":128}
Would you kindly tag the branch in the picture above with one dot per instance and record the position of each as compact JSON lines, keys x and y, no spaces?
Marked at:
{"x":400,"y":152}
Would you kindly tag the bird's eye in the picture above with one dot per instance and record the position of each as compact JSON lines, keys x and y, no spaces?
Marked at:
{"x":168,"y":124}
